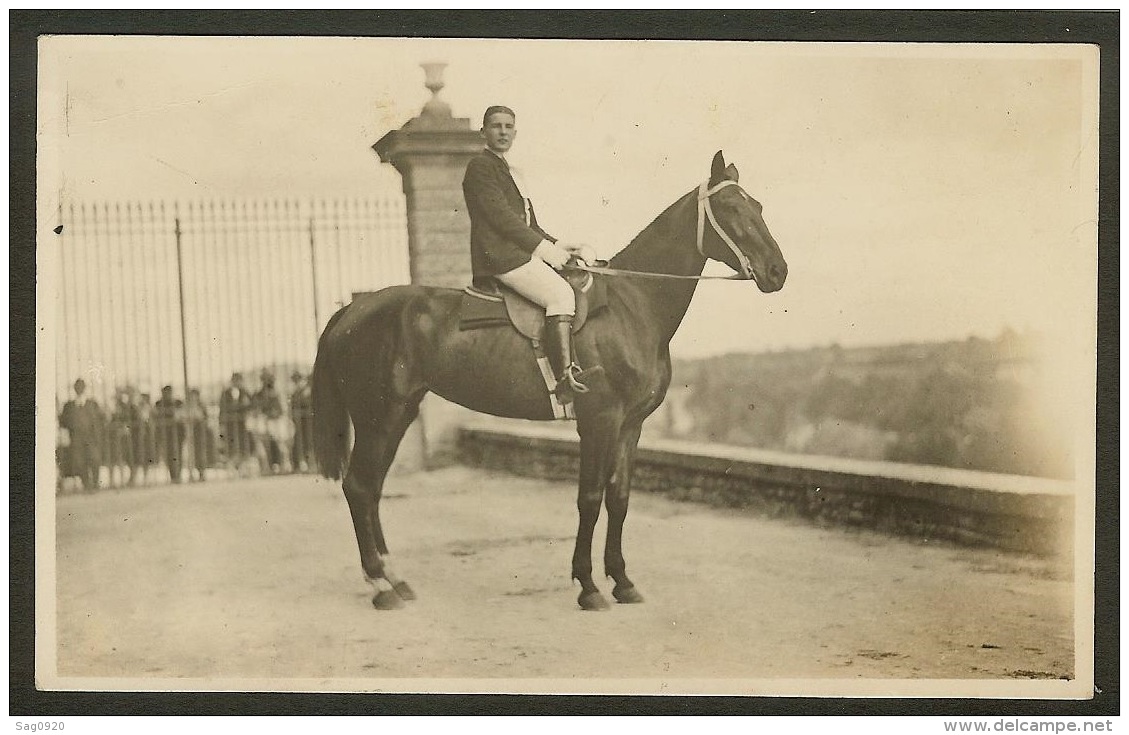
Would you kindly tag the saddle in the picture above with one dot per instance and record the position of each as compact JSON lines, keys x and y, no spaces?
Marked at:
{"x":495,"y":305}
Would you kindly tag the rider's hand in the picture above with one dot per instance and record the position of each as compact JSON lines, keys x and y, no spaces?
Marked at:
{"x":552,"y":253}
{"x":579,"y":249}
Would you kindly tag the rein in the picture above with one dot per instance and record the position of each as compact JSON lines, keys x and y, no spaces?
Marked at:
{"x":705,"y":213}
{"x":581,"y":266}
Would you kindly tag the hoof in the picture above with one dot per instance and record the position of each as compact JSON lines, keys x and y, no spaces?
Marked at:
{"x":404,"y":590}
{"x":626,"y":595}
{"x":592,"y":601}
{"x":387,"y":600}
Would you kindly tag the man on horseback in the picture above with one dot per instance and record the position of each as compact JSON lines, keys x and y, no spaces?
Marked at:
{"x":507,"y":243}
{"x":382,"y":354}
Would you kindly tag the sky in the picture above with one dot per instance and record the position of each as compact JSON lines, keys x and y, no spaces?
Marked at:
{"x":918,"y":192}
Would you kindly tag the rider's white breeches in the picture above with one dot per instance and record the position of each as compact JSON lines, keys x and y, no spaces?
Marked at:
{"x":538,"y":282}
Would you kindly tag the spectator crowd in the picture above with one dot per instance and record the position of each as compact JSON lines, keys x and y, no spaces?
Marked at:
{"x":139,"y":441}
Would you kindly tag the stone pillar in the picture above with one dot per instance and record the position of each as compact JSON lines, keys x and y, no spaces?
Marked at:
{"x":431,"y":152}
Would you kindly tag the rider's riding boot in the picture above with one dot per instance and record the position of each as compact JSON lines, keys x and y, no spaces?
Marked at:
{"x":559,"y":332}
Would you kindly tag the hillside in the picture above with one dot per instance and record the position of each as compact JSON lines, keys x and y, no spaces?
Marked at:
{"x":970,"y":404}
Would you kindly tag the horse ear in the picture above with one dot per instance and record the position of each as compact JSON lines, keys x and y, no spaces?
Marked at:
{"x":717,"y":170}
{"x":731,"y":173}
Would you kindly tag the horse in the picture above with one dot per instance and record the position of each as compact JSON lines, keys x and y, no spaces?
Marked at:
{"x":381,"y":354}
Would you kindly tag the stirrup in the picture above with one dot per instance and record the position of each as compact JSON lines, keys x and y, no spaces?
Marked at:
{"x":569,"y":379}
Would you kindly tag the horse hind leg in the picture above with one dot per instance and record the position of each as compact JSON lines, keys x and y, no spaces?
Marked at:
{"x":398,"y":420}
{"x":373,"y":451}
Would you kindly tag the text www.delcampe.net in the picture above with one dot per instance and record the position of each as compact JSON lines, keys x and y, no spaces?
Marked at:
{"x":1014,"y":725}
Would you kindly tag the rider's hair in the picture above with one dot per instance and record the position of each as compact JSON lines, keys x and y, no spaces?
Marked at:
{"x":494,"y":109}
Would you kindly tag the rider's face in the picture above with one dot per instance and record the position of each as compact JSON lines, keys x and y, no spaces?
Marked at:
{"x":499,"y":132}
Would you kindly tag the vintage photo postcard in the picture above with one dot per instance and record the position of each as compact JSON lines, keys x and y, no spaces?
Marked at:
{"x":565,"y":366}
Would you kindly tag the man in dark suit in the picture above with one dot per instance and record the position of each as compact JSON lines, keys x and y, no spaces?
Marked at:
{"x":302,"y":415}
{"x":171,"y":432}
{"x":267,"y":404}
{"x":121,"y":436}
{"x":235,"y":403}
{"x":84,"y":420}
{"x":507,"y":243}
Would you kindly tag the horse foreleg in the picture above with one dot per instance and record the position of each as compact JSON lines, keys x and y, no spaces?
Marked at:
{"x":616,"y":496}
{"x":597,"y":452}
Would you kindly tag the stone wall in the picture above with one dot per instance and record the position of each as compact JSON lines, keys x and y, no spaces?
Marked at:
{"x":927,"y":503}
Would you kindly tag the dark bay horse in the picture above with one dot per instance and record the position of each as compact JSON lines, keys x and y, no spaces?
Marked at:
{"x":381,"y":354}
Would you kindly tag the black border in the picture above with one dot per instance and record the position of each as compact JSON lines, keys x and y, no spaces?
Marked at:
{"x":1100,"y":28}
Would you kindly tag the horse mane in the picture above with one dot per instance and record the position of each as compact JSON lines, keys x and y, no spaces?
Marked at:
{"x":638,"y":255}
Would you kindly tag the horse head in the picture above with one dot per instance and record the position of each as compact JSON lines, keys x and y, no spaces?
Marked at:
{"x":732,"y":230}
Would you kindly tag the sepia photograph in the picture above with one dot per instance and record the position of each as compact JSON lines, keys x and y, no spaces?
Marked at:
{"x":746,"y":369}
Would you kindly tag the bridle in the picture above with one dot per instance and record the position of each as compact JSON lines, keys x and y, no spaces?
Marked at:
{"x":705,"y":191}
{"x":705,"y":214}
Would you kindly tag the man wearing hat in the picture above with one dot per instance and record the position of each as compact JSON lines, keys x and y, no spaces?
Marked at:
{"x":302,"y":415}
{"x":171,"y":433}
{"x":235,"y":403}
{"x":267,"y":406}
{"x":85,"y":423}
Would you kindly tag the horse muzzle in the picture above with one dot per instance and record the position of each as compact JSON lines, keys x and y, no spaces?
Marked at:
{"x":773,"y":277}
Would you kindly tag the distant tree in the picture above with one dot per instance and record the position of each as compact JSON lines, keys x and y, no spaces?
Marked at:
{"x":941,"y":404}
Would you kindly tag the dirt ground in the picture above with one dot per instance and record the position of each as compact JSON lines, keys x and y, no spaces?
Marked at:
{"x":259,"y":579}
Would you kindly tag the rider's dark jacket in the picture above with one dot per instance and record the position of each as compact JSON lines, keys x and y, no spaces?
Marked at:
{"x":501,"y":237}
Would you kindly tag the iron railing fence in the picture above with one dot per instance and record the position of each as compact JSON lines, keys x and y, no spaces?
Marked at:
{"x":184,"y":294}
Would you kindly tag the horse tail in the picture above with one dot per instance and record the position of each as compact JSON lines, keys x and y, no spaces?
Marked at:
{"x":331,"y":416}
